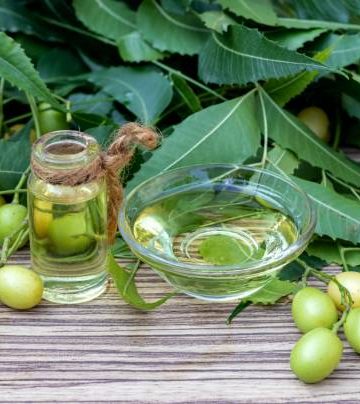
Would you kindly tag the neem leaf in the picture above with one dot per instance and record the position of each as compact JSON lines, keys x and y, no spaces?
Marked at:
{"x":307,"y":24}
{"x":243,"y":55}
{"x":312,"y":260}
{"x":293,"y":39}
{"x":224,"y":250}
{"x":272,"y":292}
{"x":260,"y":11}
{"x":345,"y":49}
{"x":98,"y":103}
{"x":143,"y":91}
{"x":327,"y":250}
{"x":17,"y":68}
{"x":223,"y":133}
{"x":103,"y":134}
{"x":109,"y":18}
{"x":337,"y":216}
{"x":322,"y":10}
{"x":290,"y":133}
{"x":59,"y":63}
{"x":238,"y":309}
{"x":14,"y":157}
{"x":284,"y":89}
{"x":125,"y":284}
{"x":216,"y":20}
{"x":281,"y":159}
{"x":133,"y":48}
{"x":14,"y":17}
{"x":351,"y":105}
{"x":291,"y":272}
{"x":186,"y":93}
{"x":269,"y":294}
{"x":182,"y":34}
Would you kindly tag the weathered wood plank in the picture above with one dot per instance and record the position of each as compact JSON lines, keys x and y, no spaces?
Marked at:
{"x":105,"y":351}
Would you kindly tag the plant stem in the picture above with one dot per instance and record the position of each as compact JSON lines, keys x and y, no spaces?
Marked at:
{"x":19,"y":185}
{"x":337,"y":131}
{"x":10,"y":245}
{"x":17,"y":118}
{"x":354,"y":190}
{"x":266,"y":132}
{"x":342,"y":256}
{"x":22,"y":236}
{"x":78,"y":30}
{"x":305,"y":277}
{"x":2,"y":84}
{"x":11,"y":191}
{"x":4,"y":251}
{"x":324,"y":178}
{"x":189,"y":79}
{"x":35,"y":114}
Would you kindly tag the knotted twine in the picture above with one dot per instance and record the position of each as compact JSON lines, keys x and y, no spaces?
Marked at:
{"x":108,"y":164}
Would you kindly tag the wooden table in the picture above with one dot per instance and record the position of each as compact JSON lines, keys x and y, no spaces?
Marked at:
{"x":105,"y":351}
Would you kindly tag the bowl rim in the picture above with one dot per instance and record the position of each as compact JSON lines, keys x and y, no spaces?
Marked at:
{"x":183,"y":268}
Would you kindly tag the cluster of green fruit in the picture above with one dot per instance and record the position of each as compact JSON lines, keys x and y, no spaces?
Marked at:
{"x":317,"y":353}
{"x":20,"y":288}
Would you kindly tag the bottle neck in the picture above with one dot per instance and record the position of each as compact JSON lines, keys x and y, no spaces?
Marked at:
{"x":64,"y":150}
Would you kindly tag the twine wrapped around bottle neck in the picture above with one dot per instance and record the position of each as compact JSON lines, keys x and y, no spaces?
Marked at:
{"x":108,"y":164}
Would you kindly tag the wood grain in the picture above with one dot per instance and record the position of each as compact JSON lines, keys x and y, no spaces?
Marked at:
{"x":105,"y":351}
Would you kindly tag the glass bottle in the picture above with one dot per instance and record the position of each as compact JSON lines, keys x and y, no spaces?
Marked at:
{"x":68,"y":224}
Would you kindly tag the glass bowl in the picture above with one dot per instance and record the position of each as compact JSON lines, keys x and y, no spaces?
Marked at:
{"x":217,"y":232}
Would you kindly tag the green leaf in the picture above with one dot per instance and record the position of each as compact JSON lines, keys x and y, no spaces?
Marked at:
{"x":125,"y":284}
{"x":322,"y":10}
{"x":272,"y":292}
{"x":281,"y":159}
{"x":98,"y":103}
{"x":84,"y":120}
{"x":291,"y":272}
{"x":308,"y":24}
{"x":238,"y":309}
{"x":223,"y":133}
{"x":290,"y":133}
{"x":216,"y":20}
{"x":337,"y":216}
{"x":14,"y":17}
{"x":17,"y":68}
{"x":14,"y":157}
{"x":328,"y":251}
{"x":103,"y":134}
{"x":345,"y":49}
{"x":283,"y":90}
{"x":182,"y":34}
{"x":260,"y":11}
{"x":244,"y":55}
{"x":143,"y":91}
{"x":109,"y":18}
{"x":294,"y":270}
{"x":186,"y":93}
{"x":59,"y":64}
{"x":351,"y":106}
{"x":225,"y":250}
{"x":293,"y":39}
{"x":313,"y":261}
{"x":121,"y":250}
{"x":133,"y":48}
{"x":176,"y":6}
